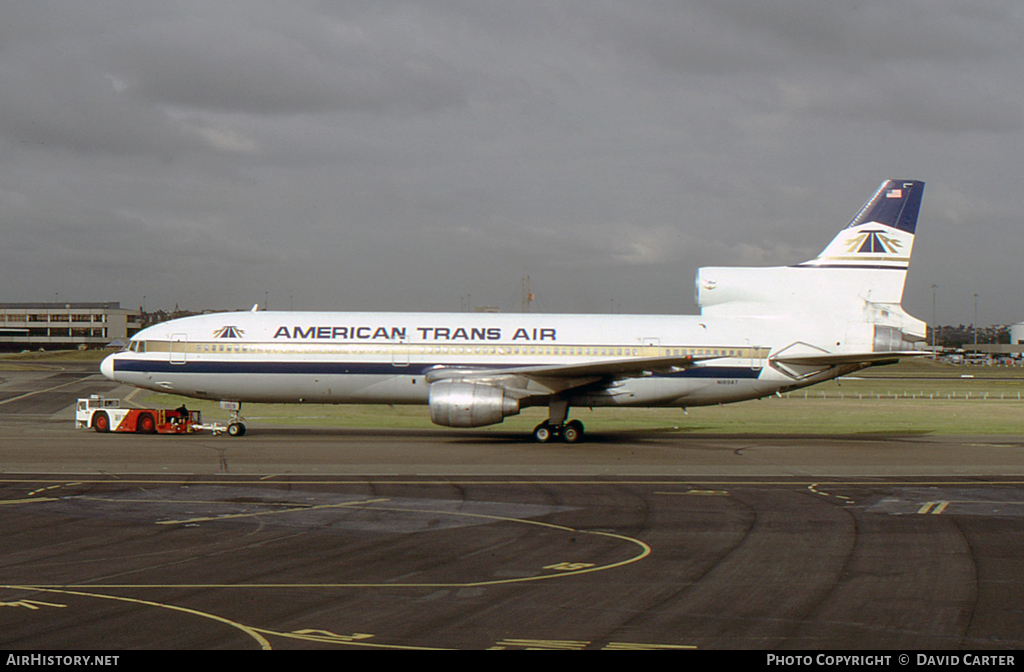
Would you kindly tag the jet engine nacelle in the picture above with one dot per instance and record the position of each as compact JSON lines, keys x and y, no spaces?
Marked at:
{"x":462,"y":404}
{"x":788,"y":289}
{"x":718,"y":286}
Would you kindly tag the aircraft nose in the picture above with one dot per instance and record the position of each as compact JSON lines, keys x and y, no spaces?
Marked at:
{"x":107,"y":367}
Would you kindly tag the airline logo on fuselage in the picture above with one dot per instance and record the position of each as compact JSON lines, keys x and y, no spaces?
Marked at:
{"x":448,"y":333}
{"x":228,"y":332}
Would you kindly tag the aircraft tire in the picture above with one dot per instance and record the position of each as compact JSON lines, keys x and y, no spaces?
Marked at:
{"x":543,"y":433}
{"x":236,"y":429}
{"x":572,"y":432}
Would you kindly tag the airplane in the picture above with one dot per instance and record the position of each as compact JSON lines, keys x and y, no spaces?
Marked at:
{"x":760,"y":332}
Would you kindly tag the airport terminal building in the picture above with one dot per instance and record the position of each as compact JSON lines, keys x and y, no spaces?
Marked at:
{"x":64,"y":326}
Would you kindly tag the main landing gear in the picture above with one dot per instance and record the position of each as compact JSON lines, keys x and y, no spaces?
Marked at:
{"x":570,"y":432}
{"x":556,"y":426}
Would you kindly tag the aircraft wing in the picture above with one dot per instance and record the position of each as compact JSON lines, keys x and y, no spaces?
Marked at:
{"x":805,"y":362}
{"x":526,"y":381}
{"x":835,"y":359}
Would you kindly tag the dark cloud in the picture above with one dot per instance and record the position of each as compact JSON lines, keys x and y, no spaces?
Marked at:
{"x":420,"y":155}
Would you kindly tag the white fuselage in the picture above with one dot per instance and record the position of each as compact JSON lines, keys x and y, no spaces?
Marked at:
{"x":760,"y":331}
{"x":307,"y":357}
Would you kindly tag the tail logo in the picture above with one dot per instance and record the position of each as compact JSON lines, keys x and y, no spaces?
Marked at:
{"x":874,"y":241}
{"x":228,"y":332}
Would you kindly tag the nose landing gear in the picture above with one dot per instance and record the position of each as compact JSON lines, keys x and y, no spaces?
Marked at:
{"x":235,"y":425}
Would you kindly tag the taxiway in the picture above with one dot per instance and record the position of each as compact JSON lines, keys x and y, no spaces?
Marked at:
{"x":430,"y":539}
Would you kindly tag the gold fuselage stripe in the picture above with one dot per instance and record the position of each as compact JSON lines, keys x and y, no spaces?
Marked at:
{"x":423,"y":349}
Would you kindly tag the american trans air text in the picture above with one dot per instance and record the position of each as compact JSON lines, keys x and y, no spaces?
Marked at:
{"x":370,"y":333}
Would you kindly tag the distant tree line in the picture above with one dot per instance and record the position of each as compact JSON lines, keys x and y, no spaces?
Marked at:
{"x":158,"y":316}
{"x":961,"y":335}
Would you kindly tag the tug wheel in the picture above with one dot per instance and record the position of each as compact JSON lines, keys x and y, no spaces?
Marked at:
{"x":101,"y":422}
{"x":145,"y":424}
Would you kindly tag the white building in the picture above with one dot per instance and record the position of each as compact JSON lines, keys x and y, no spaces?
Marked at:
{"x":61,"y":326}
{"x":1017,"y":334}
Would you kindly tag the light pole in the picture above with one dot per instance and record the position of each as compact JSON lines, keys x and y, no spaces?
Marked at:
{"x":975,"y":319}
{"x":935,"y":325}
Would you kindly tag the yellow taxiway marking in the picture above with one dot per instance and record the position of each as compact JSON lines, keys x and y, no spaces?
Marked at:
{"x":645,"y":551}
{"x":569,"y":566}
{"x":813,"y":487}
{"x":936,"y":508}
{"x":32,"y":394}
{"x":328,"y":636}
{"x":29,"y":500}
{"x":251,"y":632}
{"x":584,"y":568}
{"x":939,"y":508}
{"x":540,"y":644}
{"x":357,"y":639}
{"x":266,"y":480}
{"x":627,"y":646}
{"x":129,"y":399}
{"x":32,"y":495}
{"x":52,"y":487}
{"x":579,"y":645}
{"x":34,"y":605}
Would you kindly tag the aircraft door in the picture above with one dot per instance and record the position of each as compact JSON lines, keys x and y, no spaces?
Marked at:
{"x":400,"y":353}
{"x":756,"y":356}
{"x":179,"y":346}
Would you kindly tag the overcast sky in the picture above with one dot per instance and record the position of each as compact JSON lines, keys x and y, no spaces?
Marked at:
{"x":387,"y":155}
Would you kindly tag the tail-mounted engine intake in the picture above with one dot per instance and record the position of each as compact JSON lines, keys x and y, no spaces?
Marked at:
{"x":462,"y":404}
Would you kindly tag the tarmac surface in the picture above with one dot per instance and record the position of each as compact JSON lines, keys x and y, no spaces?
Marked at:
{"x":437,"y":539}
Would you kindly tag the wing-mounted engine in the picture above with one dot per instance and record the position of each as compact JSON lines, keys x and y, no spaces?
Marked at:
{"x":469,"y":404}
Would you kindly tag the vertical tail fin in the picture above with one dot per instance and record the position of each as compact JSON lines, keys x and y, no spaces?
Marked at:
{"x":859,"y":277}
{"x":881,"y":235}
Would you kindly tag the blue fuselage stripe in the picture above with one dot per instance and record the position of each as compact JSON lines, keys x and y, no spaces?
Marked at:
{"x":370,"y":369}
